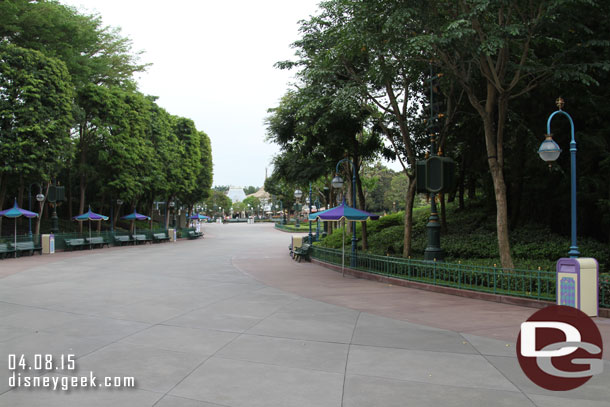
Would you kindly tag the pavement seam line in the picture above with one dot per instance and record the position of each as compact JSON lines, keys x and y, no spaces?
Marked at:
{"x":501,"y":372}
{"x":214,"y":354}
{"x":349,"y":348}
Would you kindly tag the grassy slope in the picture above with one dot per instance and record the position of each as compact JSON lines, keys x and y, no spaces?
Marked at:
{"x":471,"y":238}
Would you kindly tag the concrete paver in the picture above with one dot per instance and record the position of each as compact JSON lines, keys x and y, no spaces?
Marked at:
{"x":231,"y":320}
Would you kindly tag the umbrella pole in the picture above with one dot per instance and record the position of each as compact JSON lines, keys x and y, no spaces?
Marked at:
{"x":343,"y":256}
{"x":15,"y":237}
{"x":89,"y":234}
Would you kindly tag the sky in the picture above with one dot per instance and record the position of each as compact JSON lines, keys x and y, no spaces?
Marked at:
{"x":212,"y":62}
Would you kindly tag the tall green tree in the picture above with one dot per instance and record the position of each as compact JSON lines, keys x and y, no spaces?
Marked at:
{"x":497,"y":52}
{"x":360,"y":49}
{"x":35,"y":117}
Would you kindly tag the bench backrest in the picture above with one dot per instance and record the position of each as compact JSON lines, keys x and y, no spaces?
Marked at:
{"x":160,"y":235}
{"x":139,"y":237}
{"x":4,"y":247}
{"x":122,"y":238}
{"x":25,"y":245}
{"x":75,"y":241}
{"x":97,"y":239}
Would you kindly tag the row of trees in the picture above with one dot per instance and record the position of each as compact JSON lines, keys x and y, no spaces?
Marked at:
{"x":365,"y":70}
{"x":70,"y":114}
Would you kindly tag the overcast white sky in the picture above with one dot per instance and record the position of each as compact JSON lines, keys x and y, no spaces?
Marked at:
{"x":213,"y":63}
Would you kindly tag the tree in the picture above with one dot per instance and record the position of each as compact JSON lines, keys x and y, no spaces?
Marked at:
{"x":216,"y":201}
{"x":35,"y":116}
{"x":362,"y":45}
{"x":250,"y":190}
{"x":93,"y":53}
{"x":497,"y":52}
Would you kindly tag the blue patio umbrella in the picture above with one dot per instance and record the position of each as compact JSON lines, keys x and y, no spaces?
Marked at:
{"x":16,"y":212}
{"x":135,"y":216}
{"x":343,"y":212}
{"x":89,"y":215}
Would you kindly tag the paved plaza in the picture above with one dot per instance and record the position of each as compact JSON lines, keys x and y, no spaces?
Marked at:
{"x":231,"y":320}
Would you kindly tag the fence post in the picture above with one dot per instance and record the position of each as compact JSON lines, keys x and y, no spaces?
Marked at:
{"x":539,"y":283}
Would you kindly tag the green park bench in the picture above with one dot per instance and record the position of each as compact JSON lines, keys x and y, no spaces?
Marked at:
{"x":27,"y":247}
{"x":5,"y":250}
{"x":141,"y":239}
{"x":302,"y":252}
{"x":121,"y":240}
{"x":97,"y":241}
{"x":73,"y":243}
{"x":193,"y":234}
{"x":160,"y":237}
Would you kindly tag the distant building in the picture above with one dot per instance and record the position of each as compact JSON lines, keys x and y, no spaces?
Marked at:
{"x":236,"y":194}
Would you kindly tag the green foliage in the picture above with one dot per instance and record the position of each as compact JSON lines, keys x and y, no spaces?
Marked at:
{"x":216,"y":200}
{"x":472,"y":240}
{"x":70,"y":111}
{"x":35,"y":113}
{"x":250,"y":190}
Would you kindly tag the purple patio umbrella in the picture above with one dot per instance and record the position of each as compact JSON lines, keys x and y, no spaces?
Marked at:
{"x":197,"y":216}
{"x":89,"y":215}
{"x":16,"y":212}
{"x":343,"y":213}
{"x":135,"y":216}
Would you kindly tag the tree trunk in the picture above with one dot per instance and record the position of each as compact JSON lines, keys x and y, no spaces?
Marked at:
{"x":2,"y":198}
{"x":410,"y":198}
{"x":70,"y":216}
{"x":81,"y":206}
{"x":362,"y":206}
{"x":472,"y":187}
{"x":501,"y":215}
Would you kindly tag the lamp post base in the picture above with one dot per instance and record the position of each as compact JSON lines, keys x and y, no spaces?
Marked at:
{"x":434,"y":254}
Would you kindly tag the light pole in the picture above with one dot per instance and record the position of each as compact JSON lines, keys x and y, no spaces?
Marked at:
{"x":172,"y":205}
{"x":317,"y":205}
{"x":549,"y":151}
{"x":119,"y":202}
{"x":283,"y":213}
{"x":297,"y":194}
{"x":337,"y":183}
{"x":309,"y":200}
{"x":39,"y":198}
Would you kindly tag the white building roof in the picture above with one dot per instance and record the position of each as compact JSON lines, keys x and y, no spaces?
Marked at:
{"x":236,"y":194}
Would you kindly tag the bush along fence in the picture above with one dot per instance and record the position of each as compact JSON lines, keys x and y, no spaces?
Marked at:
{"x":533,"y":284}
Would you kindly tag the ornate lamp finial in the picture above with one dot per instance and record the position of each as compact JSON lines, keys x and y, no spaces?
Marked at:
{"x":560,"y":102}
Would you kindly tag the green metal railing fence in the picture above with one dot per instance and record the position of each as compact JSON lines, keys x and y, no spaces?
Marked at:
{"x":604,"y":292}
{"x":535,"y":284}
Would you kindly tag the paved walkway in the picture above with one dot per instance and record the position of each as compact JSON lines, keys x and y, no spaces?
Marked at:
{"x":230,"y":320}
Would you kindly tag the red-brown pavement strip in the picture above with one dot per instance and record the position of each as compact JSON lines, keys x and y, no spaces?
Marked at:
{"x":464,"y":315}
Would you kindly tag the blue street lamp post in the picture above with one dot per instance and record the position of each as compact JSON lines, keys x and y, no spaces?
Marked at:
{"x":337,"y":183}
{"x":309,"y":203}
{"x":549,"y":151}
{"x":317,"y":205}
